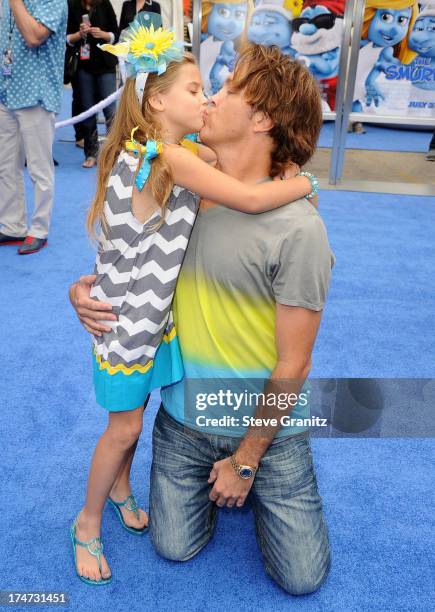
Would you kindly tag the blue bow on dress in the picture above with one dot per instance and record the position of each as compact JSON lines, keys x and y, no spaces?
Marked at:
{"x":148,"y":152}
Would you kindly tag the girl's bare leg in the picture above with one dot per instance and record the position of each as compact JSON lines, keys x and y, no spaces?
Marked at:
{"x":122,"y":488}
{"x":110,"y":456}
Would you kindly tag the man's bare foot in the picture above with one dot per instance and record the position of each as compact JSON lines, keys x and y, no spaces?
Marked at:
{"x":129,"y":516}
{"x":87,"y":564}
{"x":89,"y":163}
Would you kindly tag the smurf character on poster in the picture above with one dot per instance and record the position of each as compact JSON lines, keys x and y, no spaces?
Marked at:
{"x":422,"y":41}
{"x":317,"y":36}
{"x":271,"y":23}
{"x":416,"y":81}
{"x":222,"y":23}
{"x":387,"y":26}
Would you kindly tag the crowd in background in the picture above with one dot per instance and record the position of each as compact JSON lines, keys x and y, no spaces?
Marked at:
{"x":92,"y":72}
{"x":45,"y":45}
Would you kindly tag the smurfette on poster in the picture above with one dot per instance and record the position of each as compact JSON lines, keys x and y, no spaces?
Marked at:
{"x":419,"y":75}
{"x":386,"y":30}
{"x":222,"y":27}
{"x":271,"y":23}
{"x":316,"y":39}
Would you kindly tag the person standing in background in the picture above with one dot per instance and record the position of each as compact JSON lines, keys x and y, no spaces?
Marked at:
{"x":31,"y":80}
{"x":131,"y":8}
{"x":90,"y":23}
{"x":75,"y":103}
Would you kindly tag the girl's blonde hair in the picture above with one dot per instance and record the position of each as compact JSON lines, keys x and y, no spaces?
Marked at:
{"x":401,"y":51}
{"x":129,"y":115}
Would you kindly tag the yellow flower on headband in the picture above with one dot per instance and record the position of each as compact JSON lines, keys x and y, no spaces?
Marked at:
{"x":145,"y":46}
{"x":150,"y":41}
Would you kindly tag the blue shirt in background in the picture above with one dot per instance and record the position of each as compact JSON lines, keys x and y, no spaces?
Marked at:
{"x":37,"y":74}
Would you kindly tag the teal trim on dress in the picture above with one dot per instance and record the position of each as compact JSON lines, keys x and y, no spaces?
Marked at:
{"x":119,"y":392}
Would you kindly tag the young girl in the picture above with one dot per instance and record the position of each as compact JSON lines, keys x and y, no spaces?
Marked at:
{"x":145,"y":226}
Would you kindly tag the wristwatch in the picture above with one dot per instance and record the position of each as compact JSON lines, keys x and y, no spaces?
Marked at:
{"x":244,"y":471}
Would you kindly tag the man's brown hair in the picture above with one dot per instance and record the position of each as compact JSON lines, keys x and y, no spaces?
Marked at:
{"x":287,"y":92}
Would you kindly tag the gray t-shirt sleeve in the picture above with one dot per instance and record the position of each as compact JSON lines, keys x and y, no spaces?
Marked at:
{"x":301,"y":263}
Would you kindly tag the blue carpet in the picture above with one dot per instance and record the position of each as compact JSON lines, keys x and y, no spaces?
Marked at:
{"x":379,"y":321}
{"x":380,"y":139}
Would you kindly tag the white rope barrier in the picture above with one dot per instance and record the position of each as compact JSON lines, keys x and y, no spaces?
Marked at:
{"x":91,"y":111}
{"x":97,"y":107}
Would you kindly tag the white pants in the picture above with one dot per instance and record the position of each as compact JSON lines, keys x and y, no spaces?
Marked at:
{"x":26,"y":134}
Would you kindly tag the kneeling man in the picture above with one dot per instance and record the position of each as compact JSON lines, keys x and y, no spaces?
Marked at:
{"x":247,"y":308}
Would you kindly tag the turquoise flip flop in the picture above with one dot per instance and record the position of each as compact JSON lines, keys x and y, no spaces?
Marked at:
{"x":130,"y":504}
{"x":95,"y":548}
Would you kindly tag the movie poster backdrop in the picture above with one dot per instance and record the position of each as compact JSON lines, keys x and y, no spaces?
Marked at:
{"x":309,"y":31}
{"x":396,"y":64}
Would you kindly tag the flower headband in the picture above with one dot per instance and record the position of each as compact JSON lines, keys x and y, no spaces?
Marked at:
{"x":146,"y":47}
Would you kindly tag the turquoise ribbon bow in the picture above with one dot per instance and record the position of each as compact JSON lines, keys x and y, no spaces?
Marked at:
{"x":145,"y":169}
{"x":148,"y":152}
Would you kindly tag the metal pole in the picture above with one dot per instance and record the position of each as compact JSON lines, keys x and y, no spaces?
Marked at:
{"x":196,"y":21}
{"x":341,"y":90}
{"x":358,"y":15}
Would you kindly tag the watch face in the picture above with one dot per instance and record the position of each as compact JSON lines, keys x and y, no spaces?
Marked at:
{"x":245,"y":472}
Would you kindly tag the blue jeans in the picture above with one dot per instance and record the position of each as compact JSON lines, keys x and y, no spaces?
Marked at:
{"x":93,"y":88}
{"x":76,"y":106}
{"x":290,"y":526}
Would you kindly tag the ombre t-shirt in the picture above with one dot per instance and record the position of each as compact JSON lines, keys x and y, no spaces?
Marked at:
{"x":236,"y":268}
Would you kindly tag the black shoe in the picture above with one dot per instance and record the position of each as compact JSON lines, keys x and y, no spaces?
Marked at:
{"x":32,"y":245}
{"x":431,"y":155}
{"x":5,"y":240}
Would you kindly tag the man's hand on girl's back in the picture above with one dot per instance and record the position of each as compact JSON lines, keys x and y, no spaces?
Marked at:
{"x":88,"y":310}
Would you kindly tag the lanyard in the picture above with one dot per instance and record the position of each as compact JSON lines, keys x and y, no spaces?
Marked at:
{"x":11,"y":26}
{"x":6,"y":69}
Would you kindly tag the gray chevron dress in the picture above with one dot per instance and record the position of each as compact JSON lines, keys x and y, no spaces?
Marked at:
{"x":137,"y":270}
